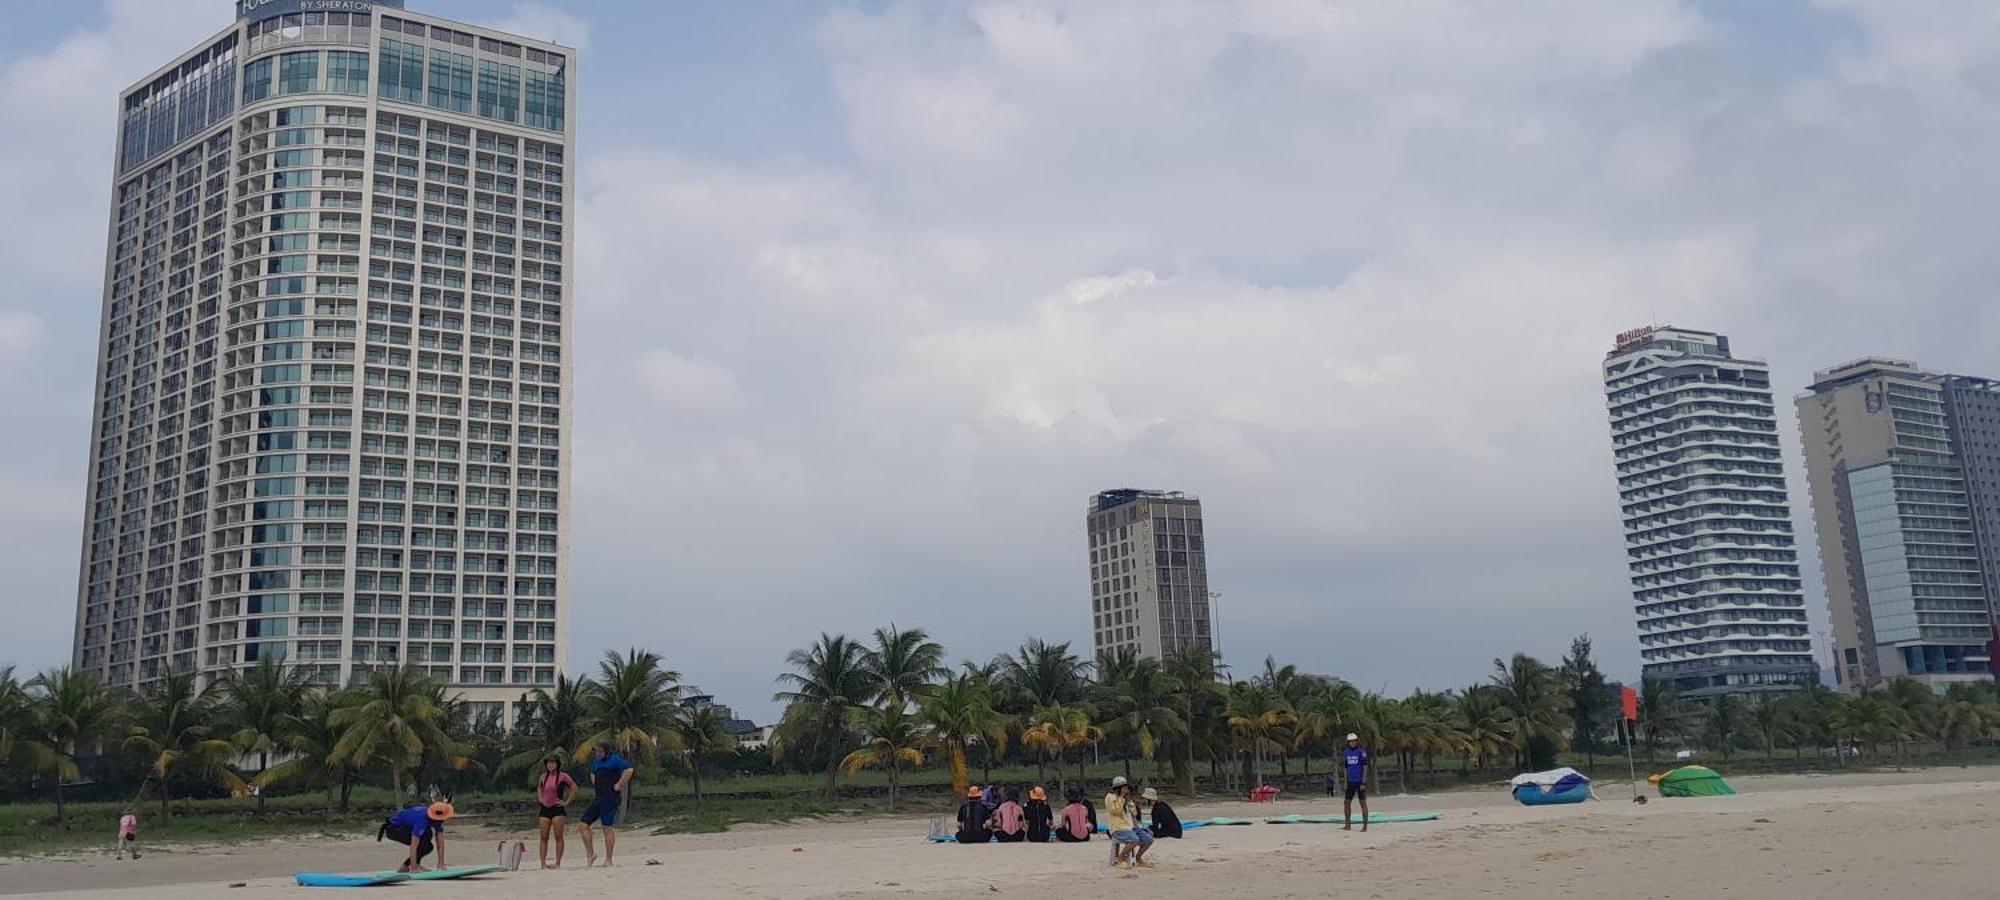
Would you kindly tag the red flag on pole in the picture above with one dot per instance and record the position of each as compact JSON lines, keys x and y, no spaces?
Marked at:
{"x":1631,"y":701}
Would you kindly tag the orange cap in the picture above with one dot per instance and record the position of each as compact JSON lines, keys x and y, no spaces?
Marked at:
{"x":1036,"y":793}
{"x":972,"y":792}
{"x":442,"y":811}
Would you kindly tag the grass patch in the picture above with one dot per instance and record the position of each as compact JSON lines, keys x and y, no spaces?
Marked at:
{"x":719,"y":814}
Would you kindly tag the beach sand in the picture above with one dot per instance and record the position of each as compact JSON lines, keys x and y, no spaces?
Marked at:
{"x":1929,"y":833}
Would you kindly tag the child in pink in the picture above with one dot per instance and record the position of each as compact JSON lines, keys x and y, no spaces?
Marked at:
{"x":128,"y":834}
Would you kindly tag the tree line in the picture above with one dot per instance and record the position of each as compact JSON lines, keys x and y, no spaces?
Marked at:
{"x":891,"y":702}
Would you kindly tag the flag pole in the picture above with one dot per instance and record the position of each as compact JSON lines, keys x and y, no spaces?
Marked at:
{"x":1629,"y":700}
{"x":1631,"y":766}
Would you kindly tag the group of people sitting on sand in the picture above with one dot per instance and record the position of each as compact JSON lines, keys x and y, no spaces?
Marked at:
{"x":998,"y":813}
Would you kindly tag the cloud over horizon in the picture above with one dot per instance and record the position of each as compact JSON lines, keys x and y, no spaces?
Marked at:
{"x":1345,"y":271}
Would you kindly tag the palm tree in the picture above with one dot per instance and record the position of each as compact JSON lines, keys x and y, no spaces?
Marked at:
{"x":309,"y":749}
{"x":1483,"y":719}
{"x":1432,"y":729}
{"x":702,"y":734}
{"x":1140,"y":708}
{"x":392,"y":720}
{"x":1772,"y":717}
{"x":173,"y":726}
{"x":1871,"y":717}
{"x":1194,"y":669}
{"x":1058,"y":728}
{"x":1725,"y":722}
{"x":1918,"y":705}
{"x":1960,"y":721}
{"x":1660,"y":710}
{"x":958,"y":713}
{"x":19,"y":748}
{"x":1045,"y":674}
{"x":1537,"y":710}
{"x":892,"y":738}
{"x":903,"y":664}
{"x":73,"y":710}
{"x":263,"y":702}
{"x":827,"y":681}
{"x":634,"y":705}
{"x":1323,"y":718}
{"x":1261,"y":720}
{"x":555,"y":723}
{"x":1294,"y":688}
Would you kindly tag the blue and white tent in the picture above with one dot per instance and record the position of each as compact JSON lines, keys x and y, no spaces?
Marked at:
{"x":1564,"y":785}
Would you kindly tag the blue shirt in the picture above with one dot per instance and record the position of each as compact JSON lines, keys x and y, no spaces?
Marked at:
{"x":604,"y":774}
{"x":418,"y":820}
{"x":1357,"y":764}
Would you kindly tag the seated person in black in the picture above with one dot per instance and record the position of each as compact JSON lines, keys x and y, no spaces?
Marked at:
{"x":1165,"y":823}
{"x":1041,"y":819}
{"x":972,"y":820}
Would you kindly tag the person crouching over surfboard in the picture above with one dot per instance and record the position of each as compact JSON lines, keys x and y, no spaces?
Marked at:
{"x":422,"y":828}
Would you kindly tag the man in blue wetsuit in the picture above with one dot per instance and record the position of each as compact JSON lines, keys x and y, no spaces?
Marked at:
{"x":422,"y":829}
{"x":610,"y":775}
{"x":1357,"y":761}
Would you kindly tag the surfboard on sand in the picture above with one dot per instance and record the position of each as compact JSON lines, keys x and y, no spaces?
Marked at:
{"x":323,"y":879}
{"x":442,"y":874}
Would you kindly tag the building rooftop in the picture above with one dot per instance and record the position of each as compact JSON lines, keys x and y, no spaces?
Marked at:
{"x":1116,"y":497}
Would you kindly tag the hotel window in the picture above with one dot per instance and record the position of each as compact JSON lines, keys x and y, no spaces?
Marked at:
{"x":545,"y":103}
{"x":257,"y":81}
{"x":499,"y":91}
{"x":347,"y":72}
{"x":298,"y":72}
{"x":401,"y":73}
{"x":451,"y":81}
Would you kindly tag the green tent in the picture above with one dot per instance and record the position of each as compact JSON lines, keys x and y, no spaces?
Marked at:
{"x":1692,"y":781}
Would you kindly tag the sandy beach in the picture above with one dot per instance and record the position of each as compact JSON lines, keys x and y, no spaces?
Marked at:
{"x":1925,"y":833}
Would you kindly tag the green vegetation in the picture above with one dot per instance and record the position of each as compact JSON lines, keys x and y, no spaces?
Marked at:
{"x":869,"y":725}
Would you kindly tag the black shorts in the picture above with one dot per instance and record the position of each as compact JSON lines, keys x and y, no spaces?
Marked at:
{"x":602,"y":809}
{"x":554,"y":812}
{"x":1357,"y":788}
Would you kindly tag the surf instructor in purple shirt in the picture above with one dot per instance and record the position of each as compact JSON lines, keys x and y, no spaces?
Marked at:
{"x":1357,"y":760}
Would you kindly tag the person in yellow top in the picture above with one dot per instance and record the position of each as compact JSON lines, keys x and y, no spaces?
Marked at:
{"x":1129,"y":840}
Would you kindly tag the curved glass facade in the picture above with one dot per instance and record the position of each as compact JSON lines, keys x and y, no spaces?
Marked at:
{"x":332,"y":411}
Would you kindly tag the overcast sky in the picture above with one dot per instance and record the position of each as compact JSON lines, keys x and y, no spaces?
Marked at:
{"x":872,"y":296}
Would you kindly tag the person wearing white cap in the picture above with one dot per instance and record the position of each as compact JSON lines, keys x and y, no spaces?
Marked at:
{"x":1358,"y":763}
{"x":1129,"y":841}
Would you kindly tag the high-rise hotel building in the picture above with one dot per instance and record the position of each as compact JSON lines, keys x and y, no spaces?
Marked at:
{"x":1904,"y":468}
{"x":1148,"y":572}
{"x":332,"y":407}
{"x":1708,"y":523}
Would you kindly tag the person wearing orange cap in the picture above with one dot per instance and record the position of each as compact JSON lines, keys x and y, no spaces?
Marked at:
{"x":972,"y":819}
{"x":422,"y":828}
{"x":1041,"y":819}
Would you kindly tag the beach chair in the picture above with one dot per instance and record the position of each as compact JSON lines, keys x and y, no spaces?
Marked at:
{"x":1264,"y":794}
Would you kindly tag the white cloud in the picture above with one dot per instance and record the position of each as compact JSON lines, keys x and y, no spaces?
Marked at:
{"x":1346,"y":270}
{"x":694,"y":386}
{"x":20,"y":334}
{"x":548,"y":23}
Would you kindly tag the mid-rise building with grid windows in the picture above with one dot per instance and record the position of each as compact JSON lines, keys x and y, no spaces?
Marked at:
{"x":332,"y":408}
{"x":1708,"y":520}
{"x":1904,"y":468}
{"x":1148,"y":573}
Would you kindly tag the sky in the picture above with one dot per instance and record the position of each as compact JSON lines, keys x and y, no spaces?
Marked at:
{"x":872,"y":296}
